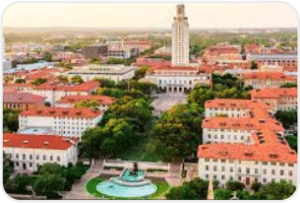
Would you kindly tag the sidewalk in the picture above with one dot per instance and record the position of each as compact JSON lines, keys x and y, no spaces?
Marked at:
{"x":78,"y":190}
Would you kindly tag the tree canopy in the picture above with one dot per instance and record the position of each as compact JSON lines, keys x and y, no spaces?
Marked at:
{"x":76,"y":79}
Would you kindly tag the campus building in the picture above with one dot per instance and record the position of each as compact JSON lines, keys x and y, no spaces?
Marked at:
{"x":17,"y":100}
{"x":180,"y":38}
{"x":245,"y":143}
{"x":30,"y":151}
{"x":278,"y":98}
{"x":71,"y":122}
{"x":112,"y":72}
{"x":266,"y":79}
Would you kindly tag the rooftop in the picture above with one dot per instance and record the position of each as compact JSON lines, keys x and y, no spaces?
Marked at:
{"x":62,"y":112}
{"x":53,"y":142}
{"x":18,"y":97}
{"x":274,"y":93}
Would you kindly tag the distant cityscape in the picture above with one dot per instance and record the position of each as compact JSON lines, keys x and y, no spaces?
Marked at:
{"x":174,"y":114}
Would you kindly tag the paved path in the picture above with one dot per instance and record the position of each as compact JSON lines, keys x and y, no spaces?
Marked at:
{"x":78,"y":190}
{"x":166,"y":101}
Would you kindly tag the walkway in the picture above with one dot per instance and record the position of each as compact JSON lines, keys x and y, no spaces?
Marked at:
{"x":78,"y":190}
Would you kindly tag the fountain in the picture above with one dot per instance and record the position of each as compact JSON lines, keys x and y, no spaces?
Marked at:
{"x":130,"y":184}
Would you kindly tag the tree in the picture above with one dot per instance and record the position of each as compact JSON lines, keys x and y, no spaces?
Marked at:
{"x":93,"y":103}
{"x":277,"y":190}
{"x":96,"y":60}
{"x":256,"y":186}
{"x":140,"y":73}
{"x":289,"y":85}
{"x":8,"y":167}
{"x":50,"y":168}
{"x":234,"y":185}
{"x":287,"y":118}
{"x":253,"y":65}
{"x":106,"y":82}
{"x":193,"y":190}
{"x":114,"y":60}
{"x":49,"y":184}
{"x":39,"y":81}
{"x":19,"y":80}
{"x":10,"y":120}
{"x":178,"y":131}
{"x":7,"y":79}
{"x":63,"y":79}
{"x":77,"y":79}
{"x":293,"y":142}
{"x":48,"y":57}
{"x":222,"y":194}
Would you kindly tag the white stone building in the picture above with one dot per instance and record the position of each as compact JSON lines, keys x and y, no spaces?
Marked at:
{"x":244,"y":142}
{"x":177,"y":79}
{"x":30,"y":151}
{"x":71,"y":122}
{"x":112,"y":72}
{"x":180,"y":38}
{"x":278,"y":98}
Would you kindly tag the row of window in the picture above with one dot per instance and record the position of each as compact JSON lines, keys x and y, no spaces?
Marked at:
{"x":240,"y":162}
{"x":239,"y":178}
{"x":24,"y":156}
{"x":248,"y":170}
{"x":227,"y":130}
{"x":175,"y":82}
{"x":228,"y":137}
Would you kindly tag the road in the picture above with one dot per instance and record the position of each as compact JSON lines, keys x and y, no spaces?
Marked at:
{"x":166,"y":101}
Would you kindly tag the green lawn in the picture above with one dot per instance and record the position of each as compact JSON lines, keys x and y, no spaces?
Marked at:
{"x":162,"y":187}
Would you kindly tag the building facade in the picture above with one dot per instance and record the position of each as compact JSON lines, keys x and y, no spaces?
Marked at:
{"x":177,"y":79}
{"x":278,"y":98}
{"x":71,"y":122}
{"x":244,"y":142}
{"x":17,"y":100}
{"x":267,"y":79}
{"x":180,"y":38}
{"x":28,"y":152}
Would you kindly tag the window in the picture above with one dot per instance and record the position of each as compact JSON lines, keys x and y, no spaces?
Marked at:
{"x":290,"y":173}
{"x":281,"y":172}
{"x":256,"y":171}
{"x":17,"y":163}
{"x":231,"y":169}
{"x":51,"y":158}
{"x":206,"y":160}
{"x":247,"y":170}
{"x":24,"y":156}
{"x":17,"y":156}
{"x":265,"y":163}
{"x":239,"y":169}
{"x":223,"y":168}
{"x":30,"y":156}
{"x":223,"y":160}
{"x":44,"y":157}
{"x":215,"y":177}
{"x":215,"y":168}
{"x":273,"y":163}
{"x":273,"y":171}
{"x":58,"y":158}
{"x":264,"y":180}
{"x":30,"y":164}
{"x":206,"y":176}
{"x":256,"y":163}
{"x":265,"y":171}
{"x":239,"y":178}
{"x":215,"y":160}
{"x":231,"y":178}
{"x":206,"y":167}
{"x":222,"y":177}
{"x":37,"y":157}
{"x":291,"y":165}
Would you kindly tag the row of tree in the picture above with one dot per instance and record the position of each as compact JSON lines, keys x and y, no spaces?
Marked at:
{"x":197,"y":189}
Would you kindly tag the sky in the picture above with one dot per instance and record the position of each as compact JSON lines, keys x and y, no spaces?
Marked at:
{"x":149,"y":15}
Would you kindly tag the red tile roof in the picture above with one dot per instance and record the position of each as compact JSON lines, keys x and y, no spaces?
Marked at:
{"x":262,"y":152}
{"x":234,"y":103}
{"x":274,"y":93}
{"x":267,"y":75}
{"x":269,"y":145}
{"x":53,"y":142}
{"x":84,"y":87}
{"x":62,"y":112}
{"x":105,"y":100}
{"x":17,"y":97}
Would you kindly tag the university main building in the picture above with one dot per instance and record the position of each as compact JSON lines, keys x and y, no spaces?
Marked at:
{"x":181,"y":75}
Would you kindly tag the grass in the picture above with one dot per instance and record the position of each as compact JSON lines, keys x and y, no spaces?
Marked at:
{"x":162,"y":187}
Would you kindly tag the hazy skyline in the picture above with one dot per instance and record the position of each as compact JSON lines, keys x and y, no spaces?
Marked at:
{"x":149,"y":15}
